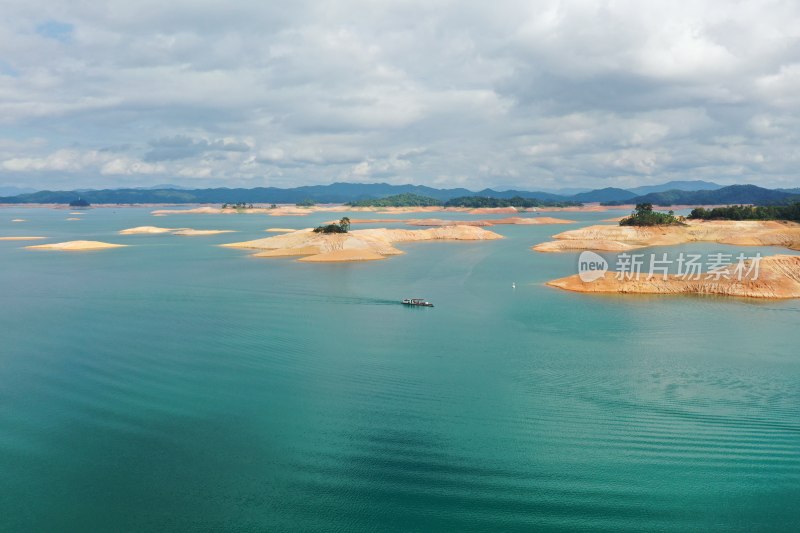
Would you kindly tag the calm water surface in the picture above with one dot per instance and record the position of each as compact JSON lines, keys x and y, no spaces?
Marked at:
{"x":177,"y":385}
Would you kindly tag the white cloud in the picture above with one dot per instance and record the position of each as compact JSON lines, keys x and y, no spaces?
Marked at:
{"x":514,"y":92}
{"x":129,"y":166}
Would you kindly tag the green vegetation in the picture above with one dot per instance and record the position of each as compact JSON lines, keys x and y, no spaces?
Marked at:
{"x":80,"y":202}
{"x":749,"y":212}
{"x":240,"y":206}
{"x":342,"y":227}
{"x":516,"y":201}
{"x":645,"y":216}
{"x":306,"y":203}
{"x":398,"y":200}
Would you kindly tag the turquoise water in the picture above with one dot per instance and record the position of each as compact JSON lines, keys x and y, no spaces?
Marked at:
{"x":177,"y":385}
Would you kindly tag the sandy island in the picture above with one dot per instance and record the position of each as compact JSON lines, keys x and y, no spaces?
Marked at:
{"x":151,"y":230}
{"x":208,"y":210}
{"x":778,"y":277}
{"x":291,"y":210}
{"x":18,"y":220}
{"x":443,"y":222}
{"x":72,"y":246}
{"x":357,"y":245}
{"x":524,"y":221}
{"x":623,"y":238}
{"x":21,"y":238}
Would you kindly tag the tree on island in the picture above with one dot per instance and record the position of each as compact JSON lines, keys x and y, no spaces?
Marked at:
{"x":342,"y":227}
{"x":238,"y":206}
{"x":80,"y":202}
{"x":644,"y":215}
{"x":306,"y":203}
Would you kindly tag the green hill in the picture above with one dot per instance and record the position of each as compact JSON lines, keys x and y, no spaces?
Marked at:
{"x":733,"y":194}
{"x":398,"y":200}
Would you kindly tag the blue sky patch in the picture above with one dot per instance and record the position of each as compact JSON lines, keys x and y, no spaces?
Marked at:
{"x":7,"y":70}
{"x":53,"y":29}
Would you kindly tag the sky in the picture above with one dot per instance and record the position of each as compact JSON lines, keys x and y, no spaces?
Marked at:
{"x":533,"y":94}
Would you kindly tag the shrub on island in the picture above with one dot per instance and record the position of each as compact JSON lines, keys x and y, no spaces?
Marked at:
{"x":238,"y":206}
{"x":644,"y":215}
{"x":342,"y":227}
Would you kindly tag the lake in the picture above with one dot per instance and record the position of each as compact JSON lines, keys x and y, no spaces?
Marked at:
{"x":177,"y":385}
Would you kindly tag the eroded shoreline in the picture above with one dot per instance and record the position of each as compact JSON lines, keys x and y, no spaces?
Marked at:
{"x":623,"y":238}
{"x":778,"y":277}
{"x":357,"y":245}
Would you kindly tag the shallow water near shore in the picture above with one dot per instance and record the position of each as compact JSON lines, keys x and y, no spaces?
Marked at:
{"x":174,"y":384}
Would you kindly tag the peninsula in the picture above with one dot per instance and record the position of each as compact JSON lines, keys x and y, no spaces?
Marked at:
{"x":623,"y":238}
{"x":778,"y":277}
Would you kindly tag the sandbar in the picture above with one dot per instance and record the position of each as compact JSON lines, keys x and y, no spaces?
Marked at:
{"x":71,"y":246}
{"x":152,"y":230}
{"x":208,"y":210}
{"x":145,"y":230}
{"x":445,"y":222}
{"x":292,"y":210}
{"x":493,"y":211}
{"x":522,"y":221}
{"x":189,"y":232}
{"x":21,"y":238}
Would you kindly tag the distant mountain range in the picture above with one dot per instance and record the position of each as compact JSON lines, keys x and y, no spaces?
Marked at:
{"x":733,"y":194}
{"x":672,"y":193}
{"x":696,"y":185}
{"x":334,"y":193}
{"x":13,"y":191}
{"x":609,"y":194}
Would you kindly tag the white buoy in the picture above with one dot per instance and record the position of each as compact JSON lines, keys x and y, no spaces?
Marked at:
{"x":513,"y":285}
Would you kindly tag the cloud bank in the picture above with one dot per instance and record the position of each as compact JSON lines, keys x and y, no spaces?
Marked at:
{"x":535,"y":95}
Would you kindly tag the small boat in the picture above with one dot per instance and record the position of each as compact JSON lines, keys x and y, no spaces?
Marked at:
{"x":420,"y":302}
